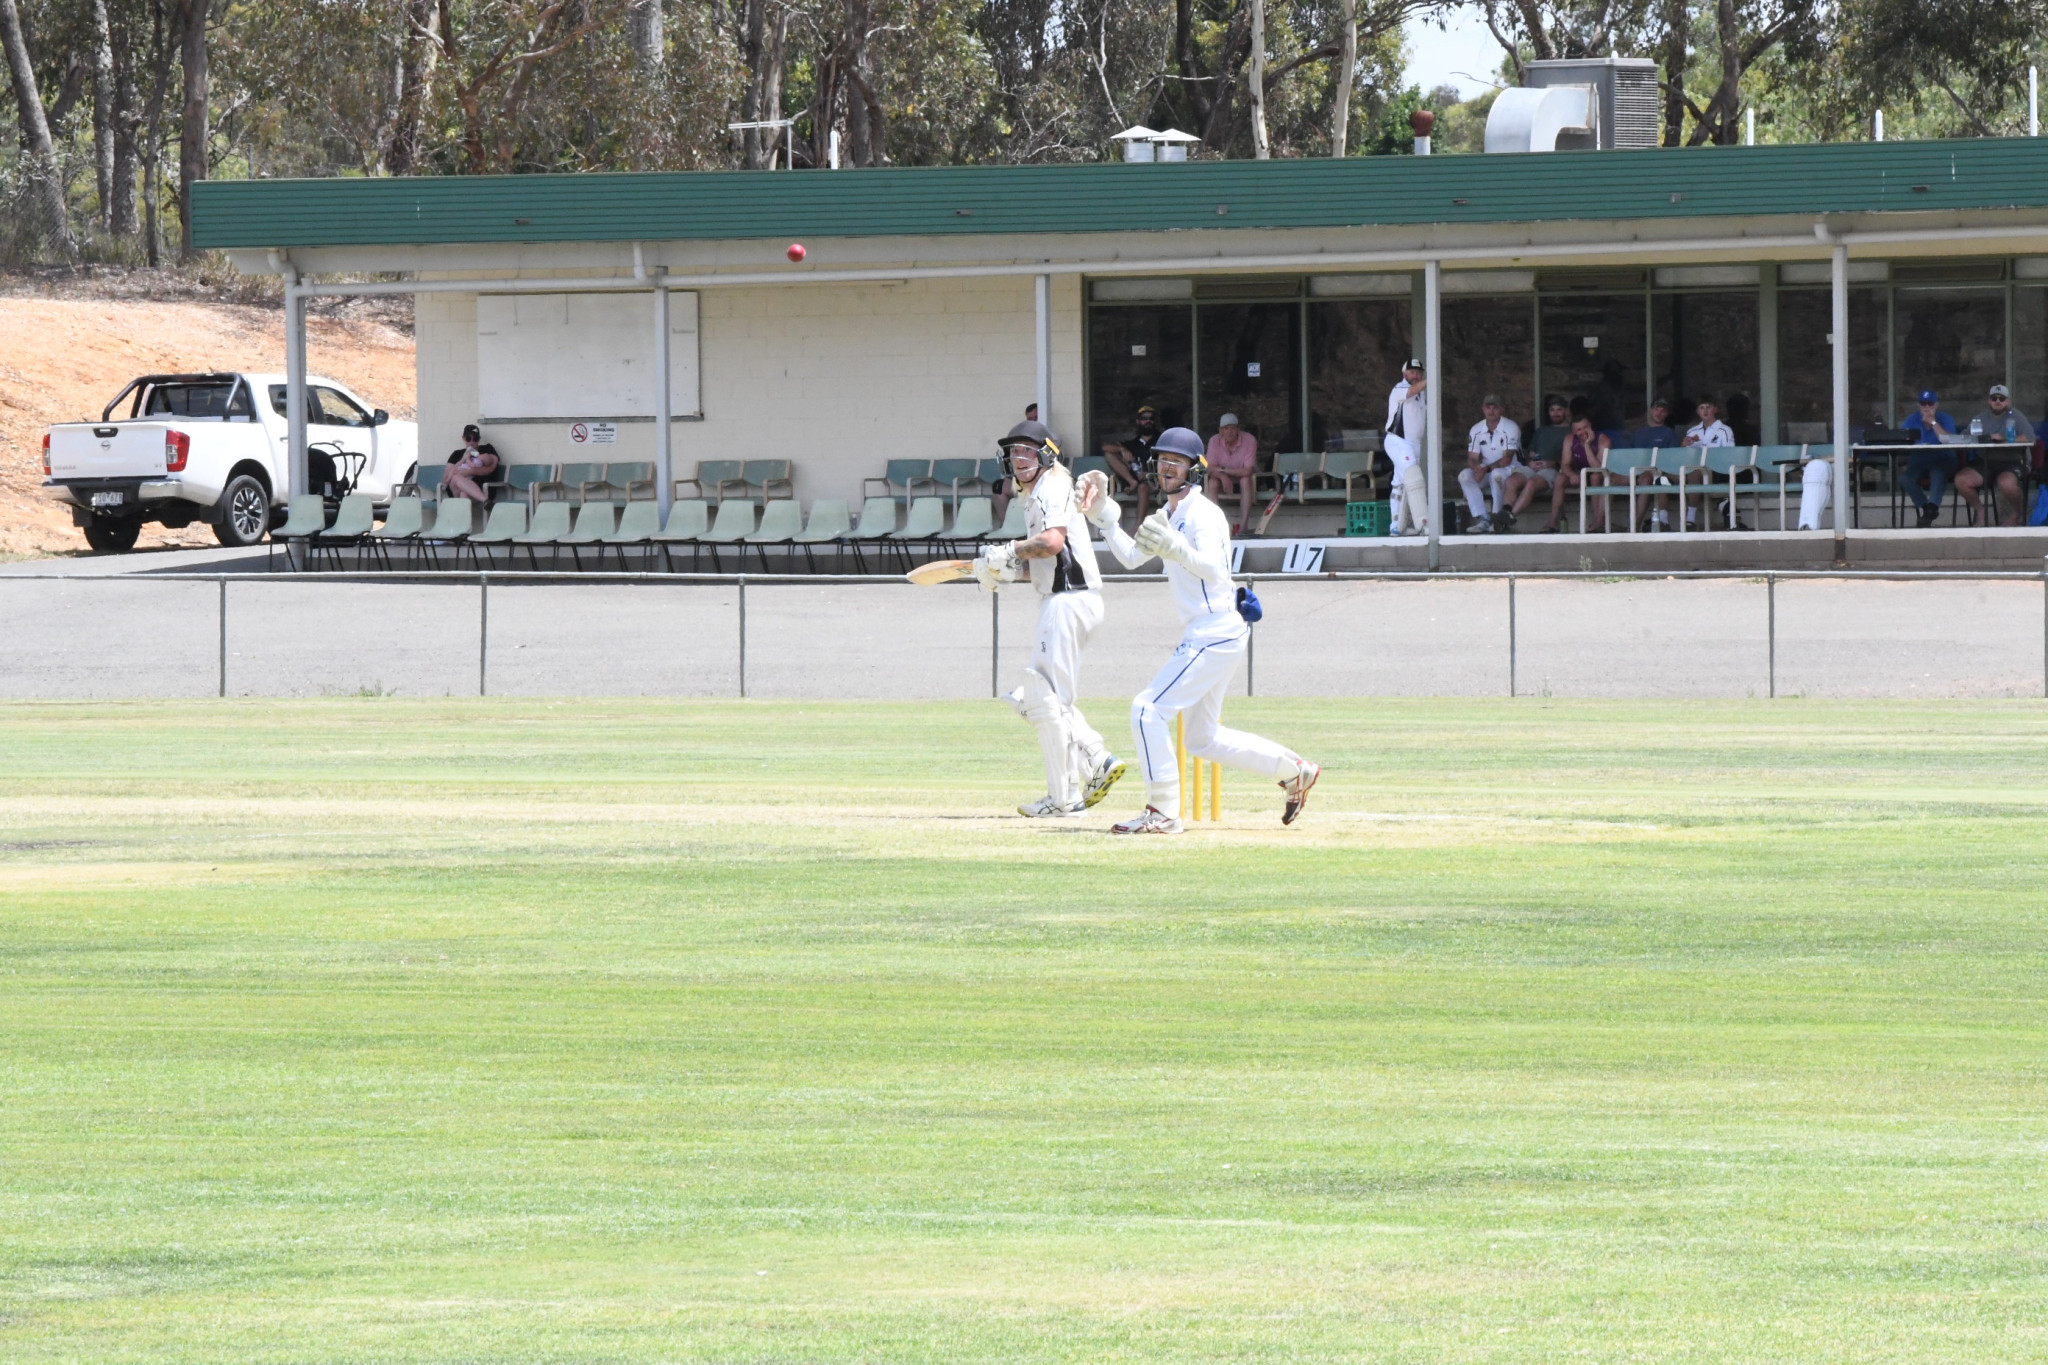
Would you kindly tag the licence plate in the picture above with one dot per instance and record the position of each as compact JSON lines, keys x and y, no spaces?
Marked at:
{"x":107,"y":499}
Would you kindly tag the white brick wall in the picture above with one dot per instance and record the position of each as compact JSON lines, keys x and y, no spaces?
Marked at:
{"x":836,"y":378}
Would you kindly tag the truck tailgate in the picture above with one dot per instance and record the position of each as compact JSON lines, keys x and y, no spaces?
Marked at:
{"x":111,"y":450}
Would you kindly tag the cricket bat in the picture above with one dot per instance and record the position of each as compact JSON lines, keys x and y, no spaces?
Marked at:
{"x":1266,"y":518}
{"x":941,"y":571}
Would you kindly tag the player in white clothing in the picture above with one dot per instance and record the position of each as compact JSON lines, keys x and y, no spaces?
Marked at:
{"x":1191,"y":536}
{"x":1059,"y":558}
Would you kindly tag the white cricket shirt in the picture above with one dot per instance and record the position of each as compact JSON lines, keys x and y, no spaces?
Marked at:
{"x":1702,"y":434}
{"x":1204,"y":594}
{"x":1498,"y":444}
{"x":1050,"y":503}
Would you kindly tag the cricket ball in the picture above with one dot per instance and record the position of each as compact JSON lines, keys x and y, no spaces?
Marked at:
{"x":796,"y":251}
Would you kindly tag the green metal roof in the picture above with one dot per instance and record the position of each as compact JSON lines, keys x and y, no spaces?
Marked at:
{"x":1676,"y":183}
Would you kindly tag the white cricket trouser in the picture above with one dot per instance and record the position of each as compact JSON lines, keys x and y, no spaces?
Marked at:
{"x":1817,"y":490}
{"x":1410,"y":485}
{"x":1469,"y":479}
{"x":1072,"y":748}
{"x":1193,"y":683}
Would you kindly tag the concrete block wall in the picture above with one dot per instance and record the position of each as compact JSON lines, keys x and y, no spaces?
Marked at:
{"x":836,"y":378}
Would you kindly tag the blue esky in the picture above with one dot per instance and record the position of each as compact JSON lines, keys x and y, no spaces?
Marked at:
{"x":1463,"y":54}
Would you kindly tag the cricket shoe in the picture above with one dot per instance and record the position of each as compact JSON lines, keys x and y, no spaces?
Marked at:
{"x":1050,"y":807}
{"x":1101,"y":780}
{"x":1297,"y":789}
{"x":1151,"y":820}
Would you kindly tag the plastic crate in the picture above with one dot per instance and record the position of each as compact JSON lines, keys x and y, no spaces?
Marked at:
{"x":1365,"y":518}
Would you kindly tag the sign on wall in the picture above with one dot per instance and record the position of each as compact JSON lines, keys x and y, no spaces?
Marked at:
{"x":582,"y":357}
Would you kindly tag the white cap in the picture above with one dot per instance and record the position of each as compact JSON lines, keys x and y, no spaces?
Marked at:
{"x":1228,"y":419}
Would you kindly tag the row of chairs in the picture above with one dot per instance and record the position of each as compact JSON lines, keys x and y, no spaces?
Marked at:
{"x":1708,"y":472}
{"x":578,"y":484}
{"x":459,"y":526}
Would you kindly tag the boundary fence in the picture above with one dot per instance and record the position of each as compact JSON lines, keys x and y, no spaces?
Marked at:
{"x":1913,"y":631}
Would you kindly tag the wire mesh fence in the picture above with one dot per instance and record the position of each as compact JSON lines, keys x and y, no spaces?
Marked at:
{"x":1507,"y":635}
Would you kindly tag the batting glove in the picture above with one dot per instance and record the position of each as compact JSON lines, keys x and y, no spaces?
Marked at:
{"x":1156,"y":536}
{"x":996,"y":564}
{"x":1096,"y":503}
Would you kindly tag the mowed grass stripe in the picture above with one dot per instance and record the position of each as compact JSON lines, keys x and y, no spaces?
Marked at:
{"x":392,"y":1030}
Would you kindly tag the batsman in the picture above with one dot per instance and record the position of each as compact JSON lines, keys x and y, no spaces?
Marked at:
{"x":1058,"y":557}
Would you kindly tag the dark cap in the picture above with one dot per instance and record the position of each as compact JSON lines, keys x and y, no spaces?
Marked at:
{"x":1660,"y":402}
{"x":472,"y":432}
{"x":1416,"y":365}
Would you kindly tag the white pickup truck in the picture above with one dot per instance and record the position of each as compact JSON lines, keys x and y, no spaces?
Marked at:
{"x":211,"y":447}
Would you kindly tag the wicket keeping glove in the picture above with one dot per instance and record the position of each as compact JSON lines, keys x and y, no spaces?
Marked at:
{"x":1099,"y":507}
{"x":1156,"y":536}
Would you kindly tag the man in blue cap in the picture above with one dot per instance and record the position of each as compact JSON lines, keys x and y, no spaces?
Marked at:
{"x":1936,"y":466}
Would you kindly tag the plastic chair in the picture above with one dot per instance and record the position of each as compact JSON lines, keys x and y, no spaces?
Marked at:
{"x":356,"y":518}
{"x":877,"y":521}
{"x":1351,"y":466}
{"x":619,"y":480}
{"x":550,"y":526}
{"x":306,"y":517}
{"x":507,"y":523}
{"x":767,"y":480}
{"x":688,"y":520}
{"x":403,"y":520}
{"x":951,"y":474}
{"x":519,"y":481}
{"x":926,"y":521}
{"x":639,"y":523}
{"x":914,"y":477}
{"x":427,"y":482}
{"x":717,"y":474}
{"x":1016,"y":521}
{"x":594,"y":521}
{"x":973,"y":520}
{"x":1299,"y":463}
{"x":1629,"y":462}
{"x":576,"y":476}
{"x":781,"y":520}
{"x":735,"y":522}
{"x":454,"y":519}
{"x":828,"y":523}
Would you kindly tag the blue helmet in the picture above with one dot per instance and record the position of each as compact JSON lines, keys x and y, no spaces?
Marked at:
{"x":1186,"y":444}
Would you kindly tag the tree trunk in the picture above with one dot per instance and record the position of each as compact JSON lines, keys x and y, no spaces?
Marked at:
{"x":103,"y":133}
{"x":1347,"y":69}
{"x":39,"y":159}
{"x":1261,"y":149}
{"x":645,"y":34}
{"x":416,"y":83}
{"x":127,"y":129}
{"x":160,"y":46}
{"x":764,"y":41}
{"x":1677,"y":50}
{"x":192,"y":128}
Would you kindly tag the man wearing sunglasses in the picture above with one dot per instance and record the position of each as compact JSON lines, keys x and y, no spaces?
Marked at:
{"x":1936,"y":466}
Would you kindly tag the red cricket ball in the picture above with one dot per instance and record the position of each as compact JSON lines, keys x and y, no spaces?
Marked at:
{"x":796,"y":251}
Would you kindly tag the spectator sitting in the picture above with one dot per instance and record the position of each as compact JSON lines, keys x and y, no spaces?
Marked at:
{"x":1583,"y":460}
{"x":1656,"y":433}
{"x":1545,"y":450}
{"x":1492,"y":453}
{"x":1130,"y":460}
{"x":467,"y":467}
{"x":1233,"y":459}
{"x":1937,"y":467}
{"x":2002,"y":424}
{"x":1710,"y":431}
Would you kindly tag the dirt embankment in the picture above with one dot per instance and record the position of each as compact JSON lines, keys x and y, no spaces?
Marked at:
{"x":66,"y":350}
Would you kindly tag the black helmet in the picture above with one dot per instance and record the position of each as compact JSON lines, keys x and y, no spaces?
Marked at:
{"x":1186,"y":444}
{"x":1033,"y":434}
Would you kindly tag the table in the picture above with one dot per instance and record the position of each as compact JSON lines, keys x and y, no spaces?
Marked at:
{"x":1893,"y":457}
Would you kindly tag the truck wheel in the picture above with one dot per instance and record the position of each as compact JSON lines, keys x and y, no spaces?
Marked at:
{"x":243,"y":513}
{"x":112,"y":536}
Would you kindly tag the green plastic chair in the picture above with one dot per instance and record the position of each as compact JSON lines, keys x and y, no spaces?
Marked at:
{"x":1630,"y":462}
{"x":991,"y":472}
{"x":639,"y":524}
{"x":914,"y":477}
{"x":356,"y":518}
{"x":454,"y":519}
{"x":951,"y":475}
{"x":306,"y":517}
{"x":550,"y":527}
{"x":781,"y":520}
{"x":767,"y":480}
{"x":519,"y":481}
{"x":828,"y":523}
{"x":688,"y":520}
{"x":926,"y":521}
{"x":715,"y":475}
{"x":1084,"y":463}
{"x":507,"y":523}
{"x":877,"y":522}
{"x":735,"y":522}
{"x":403,"y":520}
{"x":594,"y":521}
{"x":619,"y":481}
{"x":427,"y":482}
{"x":1016,"y":521}
{"x":574,"y":476}
{"x":973,"y":520}
{"x":1351,"y":466}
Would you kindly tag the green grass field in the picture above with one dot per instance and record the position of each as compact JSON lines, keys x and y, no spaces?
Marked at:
{"x":379,"y":1030}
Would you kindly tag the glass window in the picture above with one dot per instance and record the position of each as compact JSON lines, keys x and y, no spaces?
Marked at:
{"x":1138,"y":357}
{"x":1951,"y":341}
{"x":1703,"y":346}
{"x":2030,"y":352}
{"x":1806,"y":375}
{"x":190,"y":400}
{"x":1251,"y":365}
{"x":333,"y":408}
{"x":1355,"y":351}
{"x":1593,"y":355}
{"x":1489,"y":347}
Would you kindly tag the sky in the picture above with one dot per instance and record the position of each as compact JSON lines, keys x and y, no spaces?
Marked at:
{"x":1464,"y":55}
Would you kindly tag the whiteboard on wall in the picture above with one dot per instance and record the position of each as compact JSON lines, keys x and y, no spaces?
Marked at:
{"x":582,"y":356}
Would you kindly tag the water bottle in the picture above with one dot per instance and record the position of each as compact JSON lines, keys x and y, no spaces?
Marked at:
{"x":1976,"y":428}
{"x":2012,"y":430}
